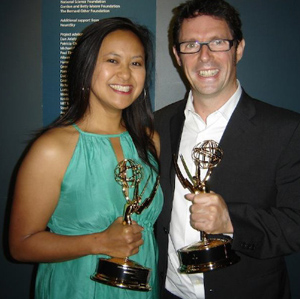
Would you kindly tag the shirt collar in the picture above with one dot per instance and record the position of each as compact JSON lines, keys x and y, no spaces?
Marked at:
{"x":226,"y":110}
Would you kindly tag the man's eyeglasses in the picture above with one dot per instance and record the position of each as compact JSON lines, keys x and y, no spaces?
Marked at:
{"x":216,"y":45}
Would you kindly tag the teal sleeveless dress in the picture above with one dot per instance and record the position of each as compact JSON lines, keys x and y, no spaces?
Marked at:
{"x":90,"y":200}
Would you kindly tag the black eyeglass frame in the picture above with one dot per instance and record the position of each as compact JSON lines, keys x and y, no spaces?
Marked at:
{"x":231,"y":42}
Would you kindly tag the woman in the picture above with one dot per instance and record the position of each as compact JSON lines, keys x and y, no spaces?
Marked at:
{"x":67,"y":205}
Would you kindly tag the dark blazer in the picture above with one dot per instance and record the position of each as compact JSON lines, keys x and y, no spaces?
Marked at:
{"x":259,"y":178}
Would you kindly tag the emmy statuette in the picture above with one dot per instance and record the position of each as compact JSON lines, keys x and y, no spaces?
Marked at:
{"x":123,"y":272}
{"x":212,"y":251}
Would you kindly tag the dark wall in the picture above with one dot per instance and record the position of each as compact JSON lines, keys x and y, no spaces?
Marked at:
{"x":21,"y":113}
{"x":269,"y":70}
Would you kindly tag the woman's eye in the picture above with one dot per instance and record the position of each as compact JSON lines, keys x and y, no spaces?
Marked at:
{"x":112,"y":61}
{"x":136,"y":63}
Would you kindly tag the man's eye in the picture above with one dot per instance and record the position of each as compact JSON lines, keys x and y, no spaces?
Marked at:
{"x":191,"y":45}
{"x":218,"y":42}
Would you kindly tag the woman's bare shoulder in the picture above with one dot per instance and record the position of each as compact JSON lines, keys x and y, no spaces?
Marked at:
{"x":54,"y":146}
{"x":57,"y":139}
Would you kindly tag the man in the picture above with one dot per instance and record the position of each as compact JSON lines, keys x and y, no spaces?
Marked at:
{"x":255,"y":190}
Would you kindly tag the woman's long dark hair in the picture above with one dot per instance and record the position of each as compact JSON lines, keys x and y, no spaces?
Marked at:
{"x":137,"y":117}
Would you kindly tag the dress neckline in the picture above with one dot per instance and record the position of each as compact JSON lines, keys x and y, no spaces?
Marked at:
{"x":100,"y":135}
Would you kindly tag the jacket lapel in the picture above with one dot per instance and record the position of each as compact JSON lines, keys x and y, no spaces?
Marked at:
{"x":240,"y":121}
{"x":237,"y":137}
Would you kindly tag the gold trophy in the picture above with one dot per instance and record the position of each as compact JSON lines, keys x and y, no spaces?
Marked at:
{"x":212,"y":251}
{"x":123,"y":272}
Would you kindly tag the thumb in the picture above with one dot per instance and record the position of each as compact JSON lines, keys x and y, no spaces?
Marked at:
{"x":189,"y":196}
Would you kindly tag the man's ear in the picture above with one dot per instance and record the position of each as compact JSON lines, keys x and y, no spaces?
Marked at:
{"x":240,"y":50}
{"x":176,"y":56}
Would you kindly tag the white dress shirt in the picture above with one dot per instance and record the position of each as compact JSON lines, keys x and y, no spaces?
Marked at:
{"x":195,"y":130}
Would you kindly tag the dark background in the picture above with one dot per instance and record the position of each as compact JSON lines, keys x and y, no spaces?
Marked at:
{"x":269,"y":71}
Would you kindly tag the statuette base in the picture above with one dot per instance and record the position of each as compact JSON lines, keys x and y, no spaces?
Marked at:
{"x":202,"y":257}
{"x":123,"y":273}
